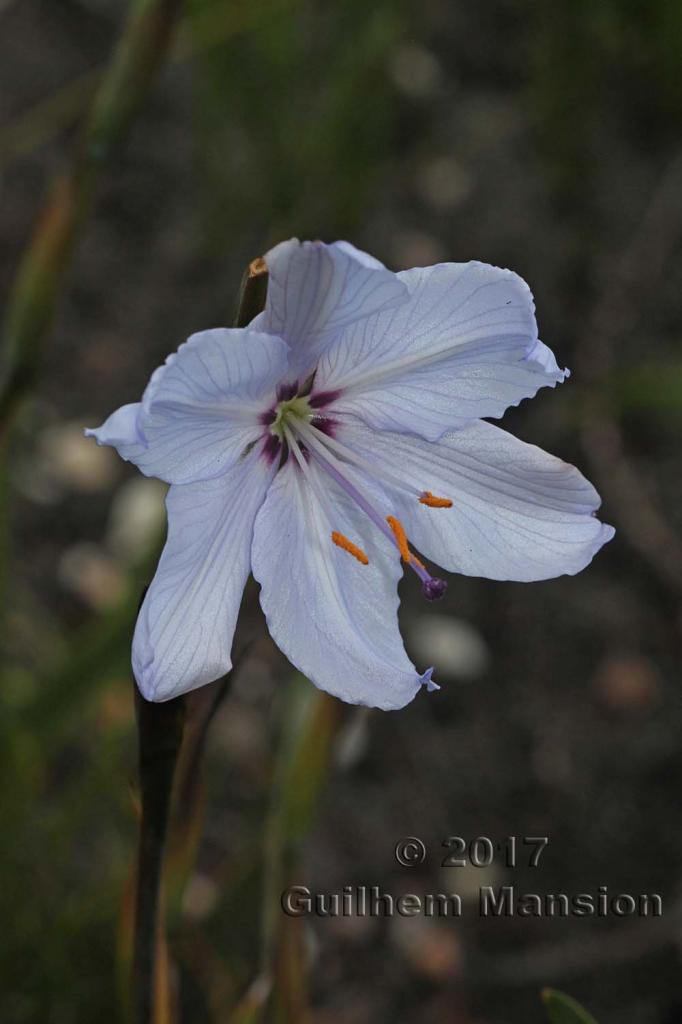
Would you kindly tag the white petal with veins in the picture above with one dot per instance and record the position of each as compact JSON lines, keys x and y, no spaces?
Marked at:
{"x":183,"y":635}
{"x":315,"y":290}
{"x":517,"y":513}
{"x":201,"y":408}
{"x":335,"y":619}
{"x":463,"y":346}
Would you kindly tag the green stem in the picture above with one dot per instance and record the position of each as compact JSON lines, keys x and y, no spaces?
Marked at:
{"x":39,"y":279}
{"x":170,"y":778}
{"x":160,"y":732}
{"x":252,"y":292}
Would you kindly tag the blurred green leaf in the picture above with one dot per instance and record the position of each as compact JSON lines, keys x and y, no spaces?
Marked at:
{"x":294,"y":118}
{"x":562,"y":1009}
{"x":654,"y":388}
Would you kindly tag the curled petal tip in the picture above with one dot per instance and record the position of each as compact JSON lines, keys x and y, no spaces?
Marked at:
{"x":606,"y":534}
{"x":428,"y":682}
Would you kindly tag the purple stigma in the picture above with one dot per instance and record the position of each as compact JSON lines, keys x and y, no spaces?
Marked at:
{"x":433,"y":589}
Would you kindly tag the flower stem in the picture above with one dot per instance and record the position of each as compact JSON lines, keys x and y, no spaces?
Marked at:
{"x":252,"y":292}
{"x":37,"y":286}
{"x":169,"y":783}
{"x":160,"y":731}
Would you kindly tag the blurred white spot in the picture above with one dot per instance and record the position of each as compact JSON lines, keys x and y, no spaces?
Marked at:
{"x":415,"y":71}
{"x":468,"y":880}
{"x":90,"y":572}
{"x":356,"y":928}
{"x":200,"y":897}
{"x":432,"y":948}
{"x":258,"y":683}
{"x":32,"y":479}
{"x":443,"y":183}
{"x":628,"y":682}
{"x":136,"y":518}
{"x":241,"y":735}
{"x":452,"y":645}
{"x":353,"y":741}
{"x":415,"y":249}
{"x":68,"y":458}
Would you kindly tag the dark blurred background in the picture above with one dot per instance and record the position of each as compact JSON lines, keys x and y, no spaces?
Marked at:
{"x":545,"y":138}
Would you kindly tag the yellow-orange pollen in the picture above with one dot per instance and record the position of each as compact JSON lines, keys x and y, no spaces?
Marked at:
{"x":433,"y":501}
{"x":400,"y":538}
{"x":348,"y":545}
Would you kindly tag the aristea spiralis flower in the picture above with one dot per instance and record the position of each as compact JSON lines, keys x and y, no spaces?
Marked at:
{"x":319,"y":446}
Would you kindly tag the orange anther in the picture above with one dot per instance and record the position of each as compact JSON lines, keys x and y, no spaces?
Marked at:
{"x":433,"y":502}
{"x":348,"y":545}
{"x":400,"y":537}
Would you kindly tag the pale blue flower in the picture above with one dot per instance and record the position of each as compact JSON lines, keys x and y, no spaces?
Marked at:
{"x":311,"y":447}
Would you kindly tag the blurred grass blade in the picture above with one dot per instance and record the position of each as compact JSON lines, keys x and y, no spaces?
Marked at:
{"x":197,"y":32}
{"x":36,"y":289}
{"x":562,"y":1009}
{"x":96,"y":653}
{"x":252,"y":1007}
{"x":311,"y":722}
{"x":189,"y":796}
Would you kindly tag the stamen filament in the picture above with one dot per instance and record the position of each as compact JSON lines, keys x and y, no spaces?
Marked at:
{"x":432,"y":587}
{"x":293,"y":447}
{"x":328,"y":464}
{"x":312,"y":434}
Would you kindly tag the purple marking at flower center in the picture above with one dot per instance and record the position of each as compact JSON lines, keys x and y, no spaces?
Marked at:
{"x":325,"y":424}
{"x":285,"y":392}
{"x":271,"y":447}
{"x":322,"y":398}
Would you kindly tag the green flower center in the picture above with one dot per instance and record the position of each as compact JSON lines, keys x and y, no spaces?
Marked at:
{"x":293,"y":409}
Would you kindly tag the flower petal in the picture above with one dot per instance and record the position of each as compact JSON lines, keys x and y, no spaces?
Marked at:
{"x":333,"y":618}
{"x":517,"y":513}
{"x":121,"y":432}
{"x":358,"y":254}
{"x":315,"y":290}
{"x":184,"y":631}
{"x":463,"y":346}
{"x":201,"y":408}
